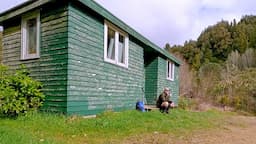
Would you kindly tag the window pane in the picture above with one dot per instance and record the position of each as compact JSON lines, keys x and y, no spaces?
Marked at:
{"x":121,"y":50}
{"x":31,"y":36}
{"x":111,"y":44}
{"x":171,"y":70}
{"x":168,"y":70}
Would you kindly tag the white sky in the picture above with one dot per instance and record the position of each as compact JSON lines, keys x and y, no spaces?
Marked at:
{"x":170,"y":21}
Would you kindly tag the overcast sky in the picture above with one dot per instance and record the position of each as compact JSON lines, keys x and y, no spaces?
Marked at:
{"x":170,"y":21}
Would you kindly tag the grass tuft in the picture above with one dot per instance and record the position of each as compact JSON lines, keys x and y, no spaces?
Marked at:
{"x":55,"y":128}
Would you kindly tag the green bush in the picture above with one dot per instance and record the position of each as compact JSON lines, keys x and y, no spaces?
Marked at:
{"x":238,"y":90}
{"x":19,"y":93}
{"x":224,"y":100}
{"x":183,"y":103}
{"x":187,"y":103}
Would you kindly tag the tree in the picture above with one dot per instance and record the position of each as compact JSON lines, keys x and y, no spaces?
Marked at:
{"x":242,"y":61}
{"x":222,"y":64}
{"x":248,"y":23}
{"x":216,"y":42}
{"x":240,"y":40}
{"x":173,"y":49}
{"x":1,"y":49}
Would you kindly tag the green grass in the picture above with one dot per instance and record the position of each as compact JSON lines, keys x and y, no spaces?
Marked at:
{"x":109,"y":126}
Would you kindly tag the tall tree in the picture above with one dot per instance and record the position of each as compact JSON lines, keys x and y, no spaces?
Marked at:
{"x":216,"y":41}
{"x":240,"y":39}
{"x":248,"y":23}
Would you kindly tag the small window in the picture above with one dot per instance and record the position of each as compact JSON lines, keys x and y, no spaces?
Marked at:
{"x":115,"y":45}
{"x":170,"y":70}
{"x":30,"y":31}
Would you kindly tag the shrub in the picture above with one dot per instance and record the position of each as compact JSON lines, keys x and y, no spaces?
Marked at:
{"x":187,"y":103}
{"x":183,"y":103}
{"x":19,"y":93}
{"x":224,"y":100}
{"x":238,"y":90}
{"x":209,"y":74}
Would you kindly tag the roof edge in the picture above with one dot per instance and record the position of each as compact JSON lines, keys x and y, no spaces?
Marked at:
{"x":113,"y":19}
{"x":32,"y":4}
{"x":16,"y":7}
{"x":21,"y":8}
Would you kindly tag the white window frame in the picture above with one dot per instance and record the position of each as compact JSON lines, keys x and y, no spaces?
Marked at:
{"x":171,"y":66}
{"x":24,"y":42}
{"x":126,"y":45}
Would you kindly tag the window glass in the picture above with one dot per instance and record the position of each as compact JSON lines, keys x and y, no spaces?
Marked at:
{"x":111,"y":44}
{"x":170,"y":70}
{"x":115,"y":45}
{"x":30,"y":32}
{"x":31,"y":36}
{"x":121,"y":49}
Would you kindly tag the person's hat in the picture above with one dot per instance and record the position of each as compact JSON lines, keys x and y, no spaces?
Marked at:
{"x":166,"y":89}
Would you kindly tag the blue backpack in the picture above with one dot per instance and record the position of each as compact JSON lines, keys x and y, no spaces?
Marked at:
{"x":140,"y":106}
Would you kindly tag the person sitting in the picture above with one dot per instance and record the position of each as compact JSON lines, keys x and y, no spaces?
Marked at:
{"x":163,"y":101}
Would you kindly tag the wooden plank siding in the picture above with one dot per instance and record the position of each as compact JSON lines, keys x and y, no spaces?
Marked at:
{"x":162,"y":80}
{"x":51,"y":67}
{"x":94,"y":85}
{"x":156,"y":80}
{"x":151,"y":77}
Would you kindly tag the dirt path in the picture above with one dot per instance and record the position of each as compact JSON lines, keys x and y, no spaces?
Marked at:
{"x":235,"y":130}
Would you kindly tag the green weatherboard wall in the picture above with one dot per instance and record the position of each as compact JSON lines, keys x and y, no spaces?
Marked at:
{"x":71,"y":66}
{"x":51,"y":67}
{"x":163,"y":82}
{"x":156,"y":80}
{"x":95,"y":85}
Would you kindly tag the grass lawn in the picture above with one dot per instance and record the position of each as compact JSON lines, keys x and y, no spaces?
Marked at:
{"x":107,"y":127}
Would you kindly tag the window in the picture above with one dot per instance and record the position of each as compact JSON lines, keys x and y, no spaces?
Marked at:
{"x":170,"y":70}
{"x":30,"y":31}
{"x":115,"y":45}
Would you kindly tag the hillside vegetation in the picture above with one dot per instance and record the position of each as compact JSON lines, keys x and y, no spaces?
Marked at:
{"x":220,"y":66}
{"x":1,"y":47}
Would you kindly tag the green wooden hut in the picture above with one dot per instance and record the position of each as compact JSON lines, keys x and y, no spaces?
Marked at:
{"x":87,"y":59}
